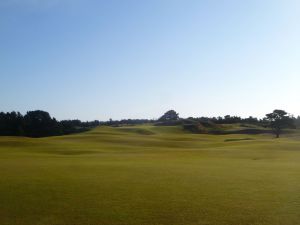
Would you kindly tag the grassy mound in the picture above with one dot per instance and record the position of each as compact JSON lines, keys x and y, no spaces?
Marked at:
{"x":141,"y":131}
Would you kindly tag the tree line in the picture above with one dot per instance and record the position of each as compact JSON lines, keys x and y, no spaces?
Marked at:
{"x":39,"y":124}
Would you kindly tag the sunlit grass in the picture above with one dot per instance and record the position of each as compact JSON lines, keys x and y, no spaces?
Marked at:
{"x":149,"y":175}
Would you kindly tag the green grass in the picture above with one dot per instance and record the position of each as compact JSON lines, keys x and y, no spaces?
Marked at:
{"x":147,"y":175}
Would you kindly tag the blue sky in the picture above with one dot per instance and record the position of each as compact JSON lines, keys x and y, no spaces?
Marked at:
{"x":93,"y":59}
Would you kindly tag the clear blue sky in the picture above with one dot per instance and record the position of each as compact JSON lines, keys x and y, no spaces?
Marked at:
{"x":93,"y":59}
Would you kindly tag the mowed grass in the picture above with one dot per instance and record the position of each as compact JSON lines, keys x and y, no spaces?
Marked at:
{"x":147,"y":175}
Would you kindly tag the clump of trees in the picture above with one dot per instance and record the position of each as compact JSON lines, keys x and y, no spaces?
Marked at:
{"x":170,"y":115}
{"x":130,"y":122}
{"x":297,"y":122}
{"x":170,"y":118}
{"x":39,"y":124}
{"x":11,"y":124}
{"x":228,"y":119}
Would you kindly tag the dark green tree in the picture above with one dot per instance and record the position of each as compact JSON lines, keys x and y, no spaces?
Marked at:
{"x":11,"y":123}
{"x":171,"y":115}
{"x":297,"y":122}
{"x":40,"y":124}
{"x":278,"y":120}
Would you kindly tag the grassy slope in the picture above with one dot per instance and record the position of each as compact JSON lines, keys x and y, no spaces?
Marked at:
{"x":150,"y":175}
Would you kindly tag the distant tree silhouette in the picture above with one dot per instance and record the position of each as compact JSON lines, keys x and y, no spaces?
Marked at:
{"x":170,"y":115}
{"x":278,"y":120}
{"x":297,"y":121}
{"x":39,"y":124}
{"x":11,"y":124}
{"x":75,"y":126}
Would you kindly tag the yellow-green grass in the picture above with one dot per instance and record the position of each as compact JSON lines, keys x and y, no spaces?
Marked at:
{"x":147,"y":175}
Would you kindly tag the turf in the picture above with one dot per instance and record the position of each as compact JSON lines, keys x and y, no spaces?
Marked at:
{"x":147,"y":175}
